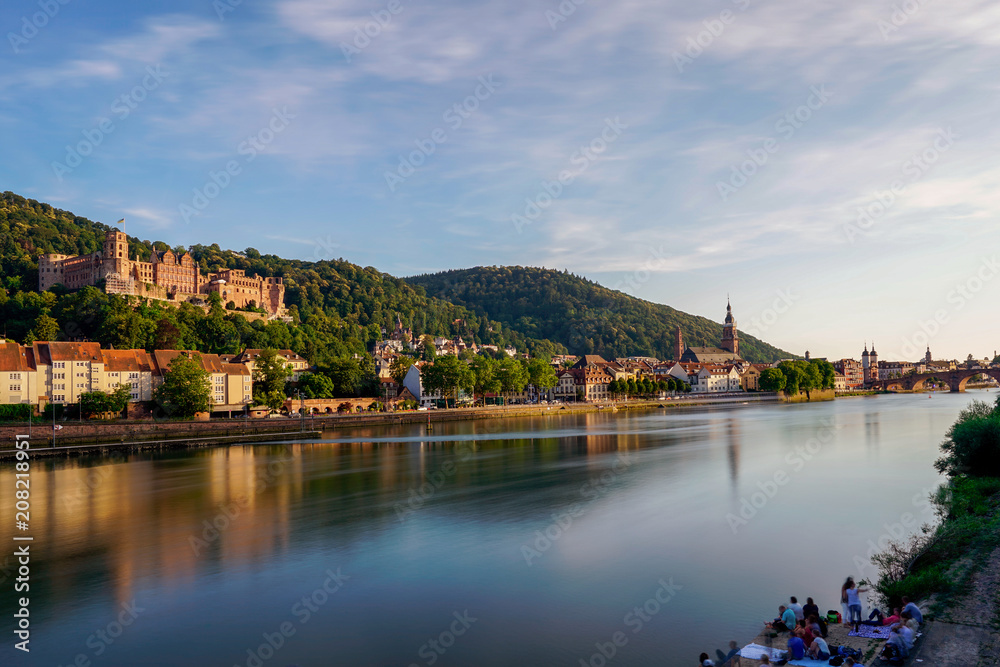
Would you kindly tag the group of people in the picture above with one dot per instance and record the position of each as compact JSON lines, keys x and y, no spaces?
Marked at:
{"x":806,"y":627}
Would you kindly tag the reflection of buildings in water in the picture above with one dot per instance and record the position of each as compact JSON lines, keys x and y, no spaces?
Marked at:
{"x":872,"y":428}
{"x":142,"y":519}
{"x":734,"y":438}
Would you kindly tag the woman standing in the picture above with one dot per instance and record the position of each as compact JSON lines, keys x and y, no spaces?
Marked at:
{"x":851,"y":592}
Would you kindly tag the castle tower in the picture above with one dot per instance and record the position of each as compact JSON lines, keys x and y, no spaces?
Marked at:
{"x":678,"y":343}
{"x":116,"y":267}
{"x":730,"y":337}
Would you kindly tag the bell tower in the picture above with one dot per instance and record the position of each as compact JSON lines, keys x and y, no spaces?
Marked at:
{"x":678,"y":344}
{"x":730,"y":336}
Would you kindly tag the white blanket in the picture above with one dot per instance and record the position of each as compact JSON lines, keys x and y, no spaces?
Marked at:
{"x":755,"y":651}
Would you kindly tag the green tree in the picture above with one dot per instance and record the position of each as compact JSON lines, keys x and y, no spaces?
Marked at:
{"x":428,"y":352}
{"x":449,"y":375}
{"x":45,"y":328}
{"x":399,"y":367}
{"x":541,"y":375}
{"x":793,"y":377}
{"x":99,"y":402}
{"x":269,"y":374}
{"x":512,"y":375}
{"x":186,"y":388}
{"x":484,"y":370}
{"x":316,"y":385}
{"x":772,"y":379}
{"x":972,"y":445}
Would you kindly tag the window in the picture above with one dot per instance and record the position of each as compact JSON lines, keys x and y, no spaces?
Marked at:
{"x":15,"y":387}
{"x":133,"y":376}
{"x":59,"y":364}
{"x":79,"y":386}
{"x":80,"y":375}
{"x":135,"y":385}
{"x":15,"y":376}
{"x":59,"y":386}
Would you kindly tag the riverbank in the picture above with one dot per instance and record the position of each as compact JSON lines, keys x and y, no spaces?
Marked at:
{"x":96,"y":436}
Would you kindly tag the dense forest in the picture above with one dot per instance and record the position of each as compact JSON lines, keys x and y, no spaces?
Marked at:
{"x":584,"y":316}
{"x":338,"y":309}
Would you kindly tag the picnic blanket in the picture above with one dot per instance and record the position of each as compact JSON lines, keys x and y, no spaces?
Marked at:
{"x":809,"y":662}
{"x":754,"y":651}
{"x":871,"y":631}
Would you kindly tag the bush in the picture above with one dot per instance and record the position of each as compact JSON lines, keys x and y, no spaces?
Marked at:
{"x":972,"y":444}
{"x":14,"y":412}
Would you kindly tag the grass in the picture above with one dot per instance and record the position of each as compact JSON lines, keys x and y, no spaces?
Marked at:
{"x":941,"y":562}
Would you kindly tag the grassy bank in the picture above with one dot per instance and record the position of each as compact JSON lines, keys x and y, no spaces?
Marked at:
{"x":938,"y":565}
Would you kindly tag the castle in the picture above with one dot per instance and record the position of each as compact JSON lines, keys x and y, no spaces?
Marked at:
{"x":166,"y":276}
{"x":728,"y":352}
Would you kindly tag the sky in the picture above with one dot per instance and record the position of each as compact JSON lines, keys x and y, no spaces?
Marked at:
{"x":829,"y":166}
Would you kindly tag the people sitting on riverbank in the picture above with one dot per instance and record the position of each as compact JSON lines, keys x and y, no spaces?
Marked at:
{"x":895,"y":649}
{"x":705,"y":661}
{"x":909,"y":622}
{"x":818,"y":625}
{"x":810,"y":608}
{"x":796,"y":647}
{"x":805,"y":632}
{"x":725,"y":659}
{"x":908,"y":635}
{"x":796,"y":608}
{"x":878,"y":618}
{"x":913,"y":610}
{"x":785,"y":621}
{"x":819,"y":649}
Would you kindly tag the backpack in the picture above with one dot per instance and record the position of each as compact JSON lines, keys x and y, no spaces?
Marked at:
{"x":822,"y":626}
{"x":836,"y":661}
{"x":833,"y":616}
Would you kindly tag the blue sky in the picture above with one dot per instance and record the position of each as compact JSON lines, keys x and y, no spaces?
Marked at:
{"x":704,"y":149}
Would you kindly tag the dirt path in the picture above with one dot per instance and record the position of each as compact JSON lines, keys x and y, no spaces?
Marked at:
{"x":967,"y":634}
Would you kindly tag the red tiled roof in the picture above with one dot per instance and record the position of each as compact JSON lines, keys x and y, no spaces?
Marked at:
{"x":13,"y":357}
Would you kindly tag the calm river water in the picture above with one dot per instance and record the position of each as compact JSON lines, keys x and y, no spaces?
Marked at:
{"x":536,"y":541}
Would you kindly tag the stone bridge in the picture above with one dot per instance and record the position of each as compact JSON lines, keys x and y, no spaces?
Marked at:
{"x":956,"y":380}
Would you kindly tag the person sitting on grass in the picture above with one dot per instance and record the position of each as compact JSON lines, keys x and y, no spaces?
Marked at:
{"x":817,"y":625}
{"x":909,"y":622}
{"x":785,"y":622}
{"x":895,"y":646}
{"x":908,"y":635}
{"x":796,"y":646}
{"x":807,"y":633}
{"x":819,"y":650}
{"x":913,"y":610}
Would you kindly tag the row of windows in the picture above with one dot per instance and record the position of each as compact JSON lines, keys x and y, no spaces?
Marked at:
{"x":15,"y":387}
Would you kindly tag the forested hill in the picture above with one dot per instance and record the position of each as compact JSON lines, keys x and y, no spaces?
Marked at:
{"x":586,"y":317}
{"x":339,"y":308}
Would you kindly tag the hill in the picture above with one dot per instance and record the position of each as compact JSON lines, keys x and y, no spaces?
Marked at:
{"x":579,"y":313}
{"x":339,"y":309}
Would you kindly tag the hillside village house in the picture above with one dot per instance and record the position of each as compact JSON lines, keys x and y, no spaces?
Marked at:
{"x":294,"y":361}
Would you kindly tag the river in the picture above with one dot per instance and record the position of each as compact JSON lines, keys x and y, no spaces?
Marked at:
{"x":549,"y":540}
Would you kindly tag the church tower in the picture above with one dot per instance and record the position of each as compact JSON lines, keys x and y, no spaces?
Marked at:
{"x":678,"y":344}
{"x":730,"y":337}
